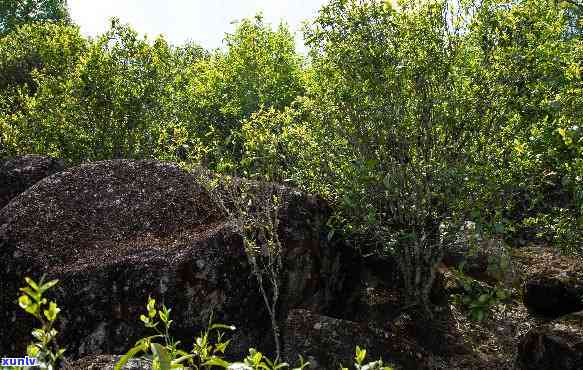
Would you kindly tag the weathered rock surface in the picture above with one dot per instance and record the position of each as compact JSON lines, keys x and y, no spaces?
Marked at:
{"x":115,"y":232}
{"x":18,"y":174}
{"x":554,"y":293}
{"x":557,"y":345}
{"x":106,"y":362}
{"x":327,"y":342}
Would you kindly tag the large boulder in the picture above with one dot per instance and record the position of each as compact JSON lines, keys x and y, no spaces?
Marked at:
{"x":18,"y":174}
{"x":556,"y":345}
{"x":117,"y":231}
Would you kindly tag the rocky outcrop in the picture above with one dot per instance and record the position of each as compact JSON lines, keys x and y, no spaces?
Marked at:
{"x":557,"y":345}
{"x":115,"y":232}
{"x":18,"y":174}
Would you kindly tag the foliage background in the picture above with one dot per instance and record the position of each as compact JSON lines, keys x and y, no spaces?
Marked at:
{"x":406,"y":116}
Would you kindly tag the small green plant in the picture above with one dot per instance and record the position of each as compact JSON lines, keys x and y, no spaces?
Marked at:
{"x":167,"y":355}
{"x":477,"y":298}
{"x":360,"y":355}
{"x":45,"y":347}
{"x":256,"y":361}
{"x":205,"y":353}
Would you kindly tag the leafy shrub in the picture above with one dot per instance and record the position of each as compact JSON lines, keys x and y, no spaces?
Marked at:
{"x":398,"y":140}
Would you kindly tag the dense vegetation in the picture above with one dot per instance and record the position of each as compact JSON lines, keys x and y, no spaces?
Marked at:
{"x":409,"y":118}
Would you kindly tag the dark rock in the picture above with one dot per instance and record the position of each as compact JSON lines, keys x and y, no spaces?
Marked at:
{"x":554,"y":294}
{"x":378,"y":296}
{"x":327,"y":342}
{"x":115,"y":232}
{"x":18,"y":174}
{"x":557,"y":345}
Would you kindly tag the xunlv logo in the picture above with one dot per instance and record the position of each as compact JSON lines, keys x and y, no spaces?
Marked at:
{"x":19,"y":361}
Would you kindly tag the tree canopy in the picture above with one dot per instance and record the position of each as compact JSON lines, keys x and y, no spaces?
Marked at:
{"x":14,"y":13}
